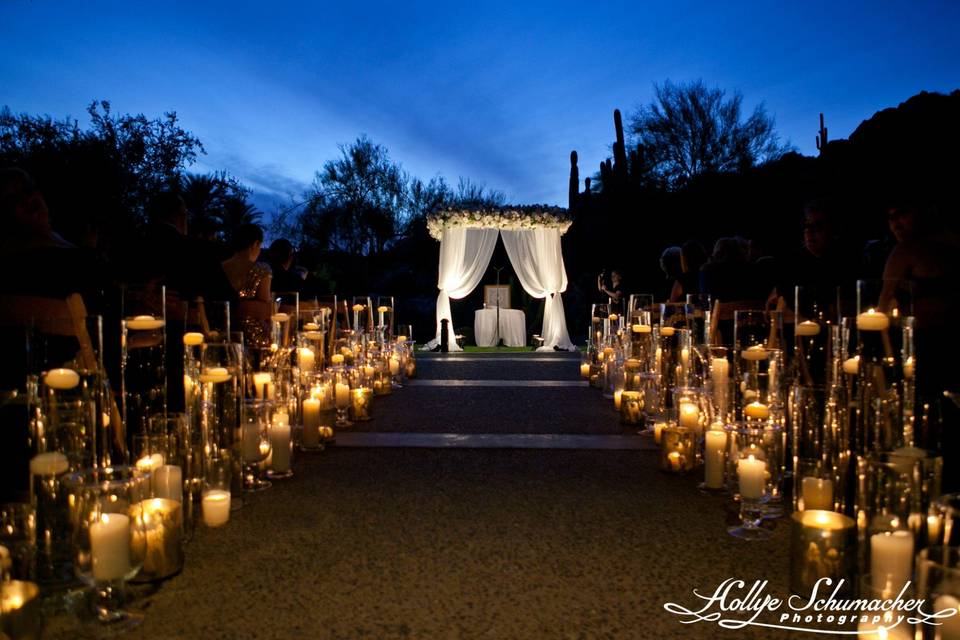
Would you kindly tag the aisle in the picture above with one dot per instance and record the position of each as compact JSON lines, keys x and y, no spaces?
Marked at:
{"x":510,"y":393}
{"x":464,"y":542}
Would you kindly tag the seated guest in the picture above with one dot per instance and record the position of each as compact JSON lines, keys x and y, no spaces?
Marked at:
{"x":692,"y":257}
{"x":251,"y":281}
{"x":168,"y":255}
{"x":823,"y":262}
{"x":670,"y":265}
{"x":729,"y":277}
{"x":37,"y":260}
{"x":281,"y":264}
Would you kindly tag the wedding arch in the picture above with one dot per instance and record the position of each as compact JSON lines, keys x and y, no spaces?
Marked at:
{"x":531,"y":236}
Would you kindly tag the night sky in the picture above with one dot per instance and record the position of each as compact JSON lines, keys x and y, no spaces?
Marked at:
{"x":491,"y":91}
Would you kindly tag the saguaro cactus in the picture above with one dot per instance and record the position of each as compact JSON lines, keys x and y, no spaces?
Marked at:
{"x":822,"y":136}
{"x":619,"y":148}
{"x":574,"y":189}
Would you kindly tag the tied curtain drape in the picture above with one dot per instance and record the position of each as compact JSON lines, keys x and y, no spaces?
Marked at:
{"x":536,"y":257}
{"x":464,"y":256}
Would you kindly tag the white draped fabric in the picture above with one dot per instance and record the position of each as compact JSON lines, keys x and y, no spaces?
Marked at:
{"x":464,"y":256}
{"x":537,"y":258}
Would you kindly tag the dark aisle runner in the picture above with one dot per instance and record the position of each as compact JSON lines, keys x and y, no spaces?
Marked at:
{"x":513,"y":400}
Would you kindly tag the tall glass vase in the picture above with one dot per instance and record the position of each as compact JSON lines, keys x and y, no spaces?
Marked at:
{"x":220,"y":397}
{"x":143,"y":357}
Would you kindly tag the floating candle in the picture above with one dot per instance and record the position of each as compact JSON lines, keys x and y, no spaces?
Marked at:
{"x":280,"y":317}
{"x":336,"y":359}
{"x":144,"y":323}
{"x":666,"y":332}
{"x":50,"y":463}
{"x":192,"y":339}
{"x":807,"y":328}
{"x":215,"y":375}
{"x":851,"y":366}
{"x":756,"y":352}
{"x":757,"y":411}
{"x":872,"y":320}
{"x":642,"y":328}
{"x":61,"y":379}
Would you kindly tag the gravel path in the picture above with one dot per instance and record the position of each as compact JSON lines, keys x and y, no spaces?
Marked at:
{"x":465,"y":543}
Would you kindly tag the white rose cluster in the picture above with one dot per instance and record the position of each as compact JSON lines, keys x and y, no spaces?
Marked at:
{"x":522,"y":217}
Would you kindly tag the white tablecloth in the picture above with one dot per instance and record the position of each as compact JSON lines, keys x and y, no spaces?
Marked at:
{"x":513,"y":327}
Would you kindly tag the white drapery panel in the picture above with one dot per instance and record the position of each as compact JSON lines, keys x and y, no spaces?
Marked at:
{"x":537,"y":259}
{"x":464,"y":256}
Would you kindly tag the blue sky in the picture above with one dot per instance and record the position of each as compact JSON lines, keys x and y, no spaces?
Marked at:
{"x":497,"y":92}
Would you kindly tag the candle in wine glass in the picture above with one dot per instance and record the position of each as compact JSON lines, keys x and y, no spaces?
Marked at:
{"x":752,"y":473}
{"x":110,"y":547}
{"x":263,"y":385}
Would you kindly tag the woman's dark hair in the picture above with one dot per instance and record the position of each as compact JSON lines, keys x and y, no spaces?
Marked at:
{"x":246,"y":235}
{"x":15,"y":184}
{"x":694,"y":255}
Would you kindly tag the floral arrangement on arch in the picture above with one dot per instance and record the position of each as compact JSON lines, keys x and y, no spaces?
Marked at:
{"x":533,"y":216}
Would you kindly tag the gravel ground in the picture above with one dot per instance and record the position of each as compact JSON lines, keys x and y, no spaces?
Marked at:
{"x":465,"y":543}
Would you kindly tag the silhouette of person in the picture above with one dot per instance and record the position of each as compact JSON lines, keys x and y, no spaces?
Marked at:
{"x":281,"y":264}
{"x":692,"y":257}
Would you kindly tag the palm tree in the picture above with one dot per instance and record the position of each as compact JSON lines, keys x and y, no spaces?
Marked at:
{"x":204,"y":196}
{"x":237,"y":211}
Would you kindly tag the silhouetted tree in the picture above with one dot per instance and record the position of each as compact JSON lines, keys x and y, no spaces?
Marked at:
{"x":690,"y":129}
{"x":101,"y":176}
{"x":358,"y":201}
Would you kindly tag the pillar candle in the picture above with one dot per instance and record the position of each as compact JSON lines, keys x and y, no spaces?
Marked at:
{"x":168,"y":482}
{"x":110,"y":547}
{"x":342,"y":395}
{"x":311,"y":423}
{"x":216,"y":507}
{"x":658,"y":431}
{"x":852,"y":365}
{"x":616,"y":398}
{"x":394,"y":365}
{"x":689,"y":415}
{"x":250,"y":442}
{"x":280,"y":442}
{"x":891,"y":559}
{"x":585,"y":370}
{"x":817,"y":493}
{"x":336,"y":359}
{"x":949,"y":627}
{"x":306,"y":360}
{"x":909,"y":368}
{"x":716,"y":445}
{"x":752,"y":476}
